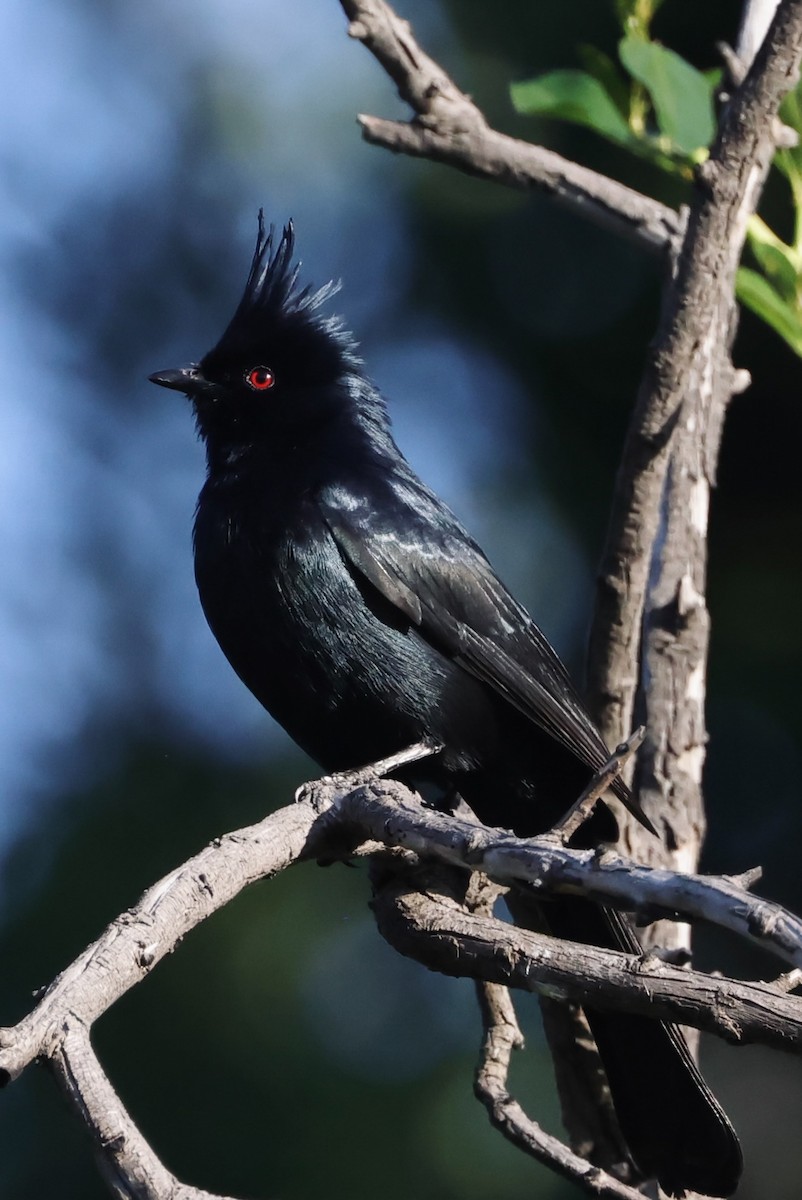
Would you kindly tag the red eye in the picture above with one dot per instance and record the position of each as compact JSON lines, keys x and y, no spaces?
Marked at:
{"x":260,"y":379}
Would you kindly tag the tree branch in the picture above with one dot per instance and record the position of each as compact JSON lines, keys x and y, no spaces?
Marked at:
{"x":501,"y":1037}
{"x":426,"y":921}
{"x":387,"y":811}
{"x":585,"y":1101}
{"x":660,"y":511}
{"x":334,"y":818}
{"x":582,"y":808}
{"x":448,"y":127}
{"x":138,"y":939}
{"x":127,"y":1160}
{"x":380,"y":812}
{"x":688,"y":357}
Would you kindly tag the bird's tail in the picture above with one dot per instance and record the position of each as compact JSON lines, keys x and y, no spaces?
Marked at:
{"x":672,"y":1123}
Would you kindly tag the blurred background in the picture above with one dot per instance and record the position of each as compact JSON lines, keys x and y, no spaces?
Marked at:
{"x":284,"y":1050}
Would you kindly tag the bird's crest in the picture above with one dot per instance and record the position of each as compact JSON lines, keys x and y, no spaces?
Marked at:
{"x":281,"y":324}
{"x":273,"y":277}
{"x":272,"y":291}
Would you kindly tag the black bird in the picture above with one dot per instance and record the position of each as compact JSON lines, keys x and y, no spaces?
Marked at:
{"x":364,"y":617}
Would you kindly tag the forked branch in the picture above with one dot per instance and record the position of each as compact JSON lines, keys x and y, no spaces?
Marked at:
{"x":426,"y":919}
{"x":447,"y":127}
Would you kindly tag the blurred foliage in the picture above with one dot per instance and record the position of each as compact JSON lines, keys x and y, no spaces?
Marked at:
{"x":662,"y":108}
{"x":659,"y":106}
{"x":283,"y":1050}
{"x":775,"y":293}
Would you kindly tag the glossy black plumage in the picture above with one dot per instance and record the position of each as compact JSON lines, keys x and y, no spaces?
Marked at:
{"x":358,"y":610}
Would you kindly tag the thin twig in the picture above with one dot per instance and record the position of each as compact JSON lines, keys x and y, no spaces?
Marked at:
{"x":747,"y":879}
{"x":585,"y":1101}
{"x":586,"y":1104}
{"x":501,"y":1036}
{"x":579,"y":812}
{"x":788,"y":982}
{"x":321,"y":792}
{"x":128,"y":1160}
{"x":449,"y":128}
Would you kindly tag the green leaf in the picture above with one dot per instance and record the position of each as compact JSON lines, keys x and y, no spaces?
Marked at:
{"x":572,"y":96}
{"x":784,"y":163}
{"x":601,"y":67}
{"x":789,"y":160}
{"x":681,"y":95}
{"x":779,"y":262}
{"x":757,"y":294}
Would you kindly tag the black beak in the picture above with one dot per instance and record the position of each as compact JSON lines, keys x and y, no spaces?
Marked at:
{"x":183,"y":379}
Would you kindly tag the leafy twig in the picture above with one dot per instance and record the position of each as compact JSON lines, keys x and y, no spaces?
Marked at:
{"x":447,"y":127}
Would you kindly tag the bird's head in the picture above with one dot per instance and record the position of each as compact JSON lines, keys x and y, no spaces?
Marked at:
{"x":281,"y":367}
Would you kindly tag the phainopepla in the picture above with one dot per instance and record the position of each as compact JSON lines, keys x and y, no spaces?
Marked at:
{"x":363,"y":616}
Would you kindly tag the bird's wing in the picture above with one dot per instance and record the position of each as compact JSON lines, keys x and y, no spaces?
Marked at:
{"x":423,"y":561}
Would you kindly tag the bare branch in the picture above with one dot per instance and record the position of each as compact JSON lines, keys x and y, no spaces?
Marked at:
{"x":682,"y":403}
{"x":384,"y":811}
{"x":695,"y":328}
{"x":430,"y":925}
{"x":790,"y":981}
{"x":449,"y":128}
{"x":599,"y":784}
{"x":389,"y":811}
{"x":323,"y":792}
{"x":585,"y":1100}
{"x":755,"y":21}
{"x":501,"y":1037}
{"x":127,"y":1160}
{"x":747,"y":879}
{"x":132,"y":945}
{"x":586,"y":1104}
